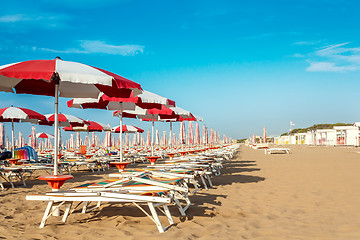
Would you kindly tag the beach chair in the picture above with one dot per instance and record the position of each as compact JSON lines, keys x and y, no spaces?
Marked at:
{"x":277,"y":150}
{"x":142,"y":183}
{"x":154,"y":200}
{"x":7,"y":173}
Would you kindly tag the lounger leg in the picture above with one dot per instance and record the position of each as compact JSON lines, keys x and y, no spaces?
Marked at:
{"x":67,"y":211}
{"x":46,"y":214}
{"x":195,"y":184}
{"x":22,"y":179}
{"x":181,"y":210}
{"x":155,"y":217}
{"x":203,"y":181}
{"x":84,"y":207}
{"x":208,"y":178}
{"x":1,"y":184}
{"x":11,"y":183}
{"x":168,"y":214}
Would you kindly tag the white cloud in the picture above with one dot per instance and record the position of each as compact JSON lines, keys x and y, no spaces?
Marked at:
{"x":307,"y":43}
{"x":93,"y":47}
{"x":328,"y":67}
{"x":101,"y":47}
{"x":35,"y":19}
{"x":14,"y":18}
{"x":334,"y":58}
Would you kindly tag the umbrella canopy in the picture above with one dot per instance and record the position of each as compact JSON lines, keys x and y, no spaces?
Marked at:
{"x":39,"y":77}
{"x":44,"y":135}
{"x":90,"y":126}
{"x":66,"y":79}
{"x":65,"y":120}
{"x":15,"y":114}
{"x":146,"y":100}
{"x":127,"y":129}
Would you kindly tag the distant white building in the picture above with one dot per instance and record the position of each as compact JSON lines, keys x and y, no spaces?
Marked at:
{"x":338,"y":136}
{"x":325,"y":137}
{"x":347,"y":135}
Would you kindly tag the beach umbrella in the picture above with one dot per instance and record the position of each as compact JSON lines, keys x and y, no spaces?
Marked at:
{"x":127,"y":141}
{"x":197,"y":134}
{"x":177,"y":115}
{"x":2,"y":136}
{"x":182,"y":133}
{"x":163,"y":139}
{"x":33,"y":137}
{"x":65,"y":79}
{"x":21,"y":140}
{"x":157,"y":139}
{"x":204,"y":135}
{"x":15,"y":114}
{"x":93,"y":141}
{"x":108,"y":139}
{"x":145,"y":100}
{"x":148,"y":141}
{"x":127,"y":129}
{"x":264,"y":135}
{"x":65,"y":120}
{"x":78,"y":140}
{"x":90,"y":126}
{"x":191,"y":134}
{"x":44,"y":135}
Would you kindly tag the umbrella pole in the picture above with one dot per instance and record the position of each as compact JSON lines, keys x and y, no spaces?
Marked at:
{"x":170,"y":140}
{"x":88,"y":142}
{"x":152,"y":138}
{"x":12,"y":139}
{"x":56,"y":126}
{"x":121,"y":137}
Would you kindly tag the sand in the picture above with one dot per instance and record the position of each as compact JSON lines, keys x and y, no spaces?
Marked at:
{"x":312,"y":193}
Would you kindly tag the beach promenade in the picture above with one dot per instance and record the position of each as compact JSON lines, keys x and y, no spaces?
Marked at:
{"x":311,"y":193}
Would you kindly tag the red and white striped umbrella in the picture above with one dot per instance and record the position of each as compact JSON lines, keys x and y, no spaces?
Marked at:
{"x":204,"y":138}
{"x":66,"y":79}
{"x":90,"y":126}
{"x":44,"y":135}
{"x":197,"y":134}
{"x":39,"y":77}
{"x":127,"y":142}
{"x":127,"y":129}
{"x":148,"y":142}
{"x":78,"y":140}
{"x":65,"y":120}
{"x":163,"y":141}
{"x":264,"y":135}
{"x":182,"y":133}
{"x":15,"y":114}
{"x":146,"y":100}
{"x":191,"y":134}
{"x":157,"y":139}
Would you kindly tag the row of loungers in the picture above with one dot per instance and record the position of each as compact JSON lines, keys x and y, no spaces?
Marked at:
{"x":158,"y":187}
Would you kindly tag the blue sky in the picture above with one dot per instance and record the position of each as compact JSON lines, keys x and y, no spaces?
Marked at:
{"x":241,"y":65}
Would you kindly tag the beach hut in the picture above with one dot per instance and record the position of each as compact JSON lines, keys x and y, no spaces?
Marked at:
{"x":325,"y":137}
{"x":347,"y":135}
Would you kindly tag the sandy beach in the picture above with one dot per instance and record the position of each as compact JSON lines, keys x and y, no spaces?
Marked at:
{"x":311,"y":193}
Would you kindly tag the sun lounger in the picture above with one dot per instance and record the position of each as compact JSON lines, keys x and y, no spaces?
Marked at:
{"x":140,"y":183}
{"x":55,"y":200}
{"x":277,"y":150}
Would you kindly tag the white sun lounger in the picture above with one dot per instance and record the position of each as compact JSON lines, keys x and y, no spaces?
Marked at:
{"x":277,"y":150}
{"x":67,"y":198}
